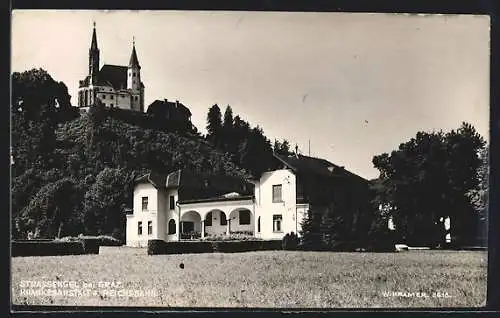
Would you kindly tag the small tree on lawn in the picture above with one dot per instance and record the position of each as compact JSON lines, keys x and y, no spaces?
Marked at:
{"x":331,"y":228}
{"x":311,"y":230}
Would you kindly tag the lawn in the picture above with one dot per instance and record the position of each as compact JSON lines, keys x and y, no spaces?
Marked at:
{"x":256,"y":279}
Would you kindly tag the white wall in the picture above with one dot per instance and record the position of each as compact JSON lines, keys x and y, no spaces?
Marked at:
{"x":133,"y":238}
{"x":266,"y":208}
{"x":121,"y":99}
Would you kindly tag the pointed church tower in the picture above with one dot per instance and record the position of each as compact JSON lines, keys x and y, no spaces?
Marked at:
{"x":134,"y":71}
{"x":93,"y":58}
{"x":134,"y":83}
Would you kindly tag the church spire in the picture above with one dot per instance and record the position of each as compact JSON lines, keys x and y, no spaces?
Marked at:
{"x":93,"y":46}
{"x":93,"y":58}
{"x":134,"y":62}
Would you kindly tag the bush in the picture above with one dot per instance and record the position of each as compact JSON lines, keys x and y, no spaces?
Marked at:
{"x":290,"y":241}
{"x":156,"y":247}
{"x":90,"y":246}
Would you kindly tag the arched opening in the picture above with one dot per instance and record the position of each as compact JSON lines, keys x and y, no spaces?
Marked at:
{"x":190,"y":225}
{"x":241,"y":221}
{"x":172,"y":227}
{"x":208,"y":219}
{"x":215,"y":223}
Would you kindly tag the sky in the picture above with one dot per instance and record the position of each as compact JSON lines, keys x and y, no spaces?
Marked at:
{"x":352,"y":85}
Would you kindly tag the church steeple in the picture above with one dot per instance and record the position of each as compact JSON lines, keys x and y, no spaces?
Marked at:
{"x":133,"y":62}
{"x":93,"y":58}
{"x":93,"y":46}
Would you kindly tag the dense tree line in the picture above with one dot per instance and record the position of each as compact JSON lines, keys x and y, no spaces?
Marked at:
{"x":248,"y":146}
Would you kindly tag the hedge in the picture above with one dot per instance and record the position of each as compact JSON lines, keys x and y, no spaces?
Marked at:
{"x":159,"y":247}
{"x":47,"y":248}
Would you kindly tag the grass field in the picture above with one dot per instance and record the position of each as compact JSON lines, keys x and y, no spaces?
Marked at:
{"x":259,"y":279}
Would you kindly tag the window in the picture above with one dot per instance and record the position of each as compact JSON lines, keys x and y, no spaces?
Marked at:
{"x":139,"y":228}
{"x":277,"y":219}
{"x":223,"y":220}
{"x":144,"y":203}
{"x":172,"y":202}
{"x":172,"y":228}
{"x":277,"y":193}
{"x":150,"y":227}
{"x":258,"y":224}
{"x":244,"y":217}
{"x":111,"y":96}
{"x":103,"y":96}
{"x":111,"y":105}
{"x":208,"y":219}
{"x":133,"y":82}
{"x":133,"y":74}
{"x":137,"y":98}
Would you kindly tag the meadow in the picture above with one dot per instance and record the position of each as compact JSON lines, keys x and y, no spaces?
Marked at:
{"x":121,"y":276}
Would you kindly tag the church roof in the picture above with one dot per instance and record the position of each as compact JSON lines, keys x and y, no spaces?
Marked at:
{"x":113,"y":75}
{"x":133,"y":59}
{"x":93,"y":45}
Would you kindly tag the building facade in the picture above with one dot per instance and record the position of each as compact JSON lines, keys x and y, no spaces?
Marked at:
{"x":183,"y":206}
{"x":113,"y":85}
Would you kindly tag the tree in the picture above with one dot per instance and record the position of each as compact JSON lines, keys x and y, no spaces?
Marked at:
{"x":426,"y":180}
{"x":332,"y":228}
{"x":228,"y":140}
{"x":214,"y":124}
{"x":311,"y":230}
{"x":106,"y":201}
{"x":53,"y":210}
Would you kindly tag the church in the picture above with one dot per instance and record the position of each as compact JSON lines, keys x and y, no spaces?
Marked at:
{"x":114,"y":85}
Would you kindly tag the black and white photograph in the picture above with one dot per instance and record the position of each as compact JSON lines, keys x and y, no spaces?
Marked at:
{"x":249,"y":159}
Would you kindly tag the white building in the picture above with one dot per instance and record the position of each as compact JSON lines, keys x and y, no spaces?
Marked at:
{"x":114,"y":85}
{"x":181,"y":205}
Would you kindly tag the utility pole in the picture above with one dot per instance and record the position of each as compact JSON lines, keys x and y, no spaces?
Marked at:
{"x":309,"y":147}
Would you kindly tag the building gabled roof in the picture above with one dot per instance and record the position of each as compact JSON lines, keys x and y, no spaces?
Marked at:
{"x":157,"y":180}
{"x":301,"y":164}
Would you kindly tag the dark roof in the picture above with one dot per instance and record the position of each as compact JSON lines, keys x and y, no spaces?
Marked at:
{"x":157,"y":180}
{"x":198,"y":186}
{"x":133,"y":59}
{"x":113,"y":75}
{"x":301,"y":164}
